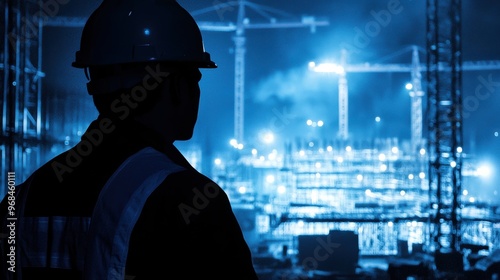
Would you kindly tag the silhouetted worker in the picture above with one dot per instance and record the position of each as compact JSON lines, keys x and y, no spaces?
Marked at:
{"x":124,"y":203}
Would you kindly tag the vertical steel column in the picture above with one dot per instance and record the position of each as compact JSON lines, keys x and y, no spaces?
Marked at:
{"x":239,"y":75}
{"x":444,"y":105}
{"x":343,"y":99}
{"x":416,"y":95}
{"x":21,"y":115}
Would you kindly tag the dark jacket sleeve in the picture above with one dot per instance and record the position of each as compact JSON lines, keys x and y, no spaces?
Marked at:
{"x":196,"y":234}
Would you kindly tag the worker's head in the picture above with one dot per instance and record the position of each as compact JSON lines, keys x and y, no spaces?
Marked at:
{"x":143,"y":57}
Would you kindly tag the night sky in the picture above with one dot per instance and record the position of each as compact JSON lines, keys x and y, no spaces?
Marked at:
{"x":278,"y":82}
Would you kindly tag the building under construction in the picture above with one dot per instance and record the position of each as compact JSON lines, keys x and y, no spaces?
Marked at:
{"x":384,"y":198}
{"x":378,"y":191}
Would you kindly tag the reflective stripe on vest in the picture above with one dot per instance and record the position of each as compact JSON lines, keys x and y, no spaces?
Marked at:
{"x":117,"y":209}
{"x":55,"y":242}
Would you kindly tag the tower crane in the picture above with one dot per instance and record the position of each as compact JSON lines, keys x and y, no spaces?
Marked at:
{"x":20,"y":65}
{"x":415,"y":68}
{"x":242,"y":24}
{"x":444,"y":47}
{"x":239,"y":27}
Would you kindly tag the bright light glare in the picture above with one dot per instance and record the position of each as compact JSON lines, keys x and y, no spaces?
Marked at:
{"x":268,"y":137}
{"x":383,"y":167}
{"x":409,"y":86}
{"x":233,"y":142}
{"x":242,"y":190}
{"x":217,"y":161}
{"x":326,"y":68}
{"x":270,"y":179}
{"x":320,"y":123}
{"x":485,"y":170}
{"x":281,"y":189}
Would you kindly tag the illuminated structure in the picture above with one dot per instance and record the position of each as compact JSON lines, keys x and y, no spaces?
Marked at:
{"x":243,"y":23}
{"x":380,"y":189}
{"x":444,"y":76}
{"x":25,"y":135}
{"x":21,"y":140}
{"x":416,"y":91}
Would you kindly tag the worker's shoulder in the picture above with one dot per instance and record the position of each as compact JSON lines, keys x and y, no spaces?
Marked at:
{"x":190,"y":176}
{"x":189,"y":182}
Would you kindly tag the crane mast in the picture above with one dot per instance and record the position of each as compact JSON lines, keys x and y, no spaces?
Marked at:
{"x":416,"y":95}
{"x":239,"y":38}
{"x":242,"y":24}
{"x":343,"y":99}
{"x":239,"y":74}
{"x":444,"y":76}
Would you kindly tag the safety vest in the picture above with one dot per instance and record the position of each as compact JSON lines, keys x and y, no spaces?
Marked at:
{"x":116,"y":212}
{"x":117,"y":209}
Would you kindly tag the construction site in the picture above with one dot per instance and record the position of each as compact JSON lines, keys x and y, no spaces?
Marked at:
{"x":318,"y":205}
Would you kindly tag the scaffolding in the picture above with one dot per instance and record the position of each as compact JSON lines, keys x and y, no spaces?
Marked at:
{"x":378,"y":190}
{"x":444,"y":105}
{"x":21,"y":110}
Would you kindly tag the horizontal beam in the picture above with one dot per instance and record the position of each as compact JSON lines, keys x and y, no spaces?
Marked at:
{"x":466,"y":66}
{"x":61,"y":21}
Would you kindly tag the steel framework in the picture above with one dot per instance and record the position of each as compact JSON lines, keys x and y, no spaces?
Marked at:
{"x":444,"y":105}
{"x":21,"y":110}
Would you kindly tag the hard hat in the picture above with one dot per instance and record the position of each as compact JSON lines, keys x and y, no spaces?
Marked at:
{"x":129,"y":31}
